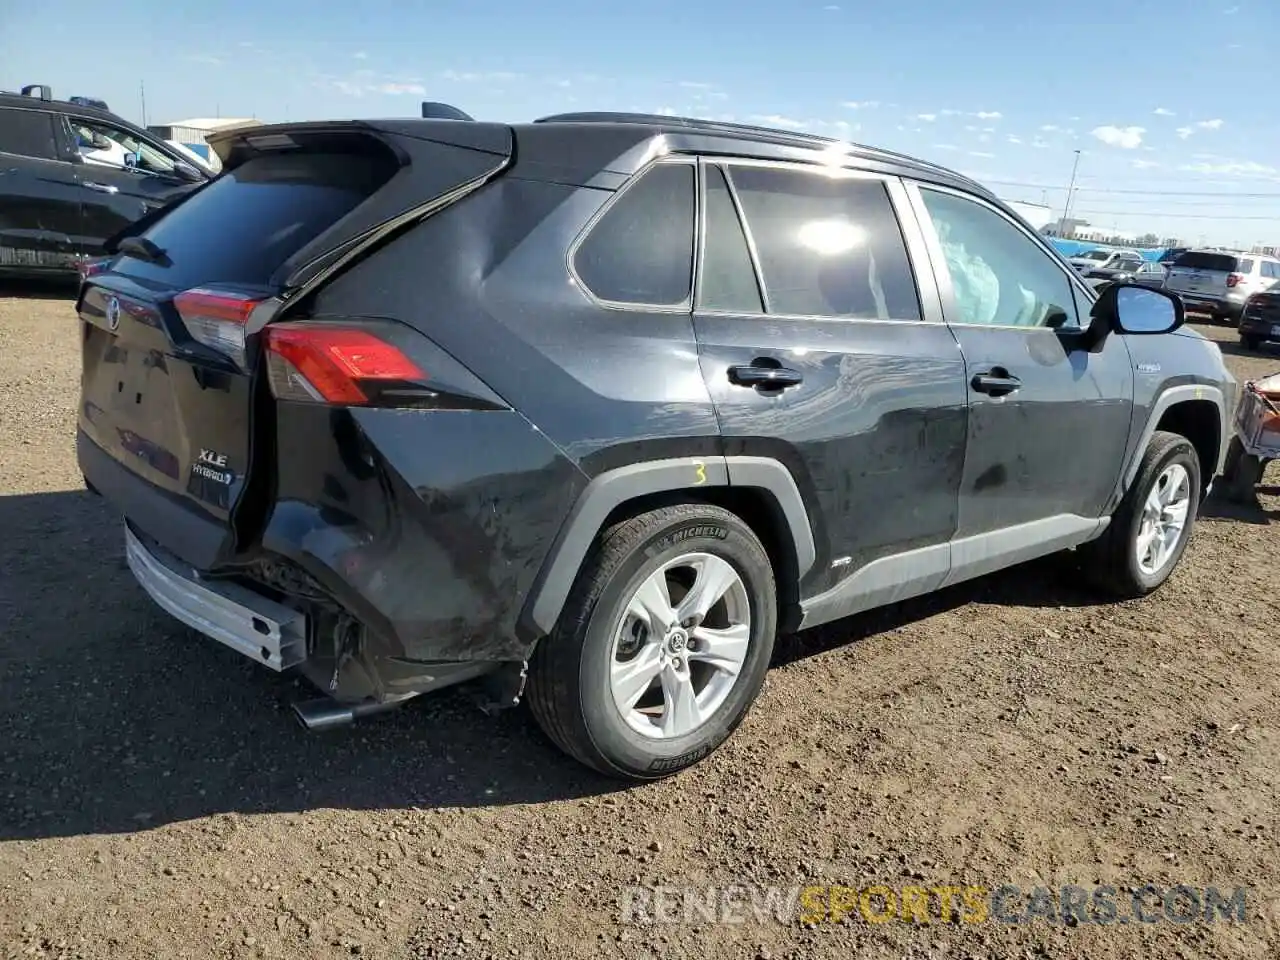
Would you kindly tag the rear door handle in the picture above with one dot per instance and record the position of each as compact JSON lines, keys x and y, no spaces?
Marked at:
{"x":996,"y":382}
{"x":765,"y":374}
{"x":100,"y":187}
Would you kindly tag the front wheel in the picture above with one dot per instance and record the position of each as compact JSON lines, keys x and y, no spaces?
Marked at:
{"x":662,"y":646}
{"x":1149,"y":531}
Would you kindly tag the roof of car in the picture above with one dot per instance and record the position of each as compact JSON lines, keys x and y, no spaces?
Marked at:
{"x":768,"y":142}
{"x":18,"y":100}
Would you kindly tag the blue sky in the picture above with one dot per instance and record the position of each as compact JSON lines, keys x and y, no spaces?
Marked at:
{"x":1173,"y":141}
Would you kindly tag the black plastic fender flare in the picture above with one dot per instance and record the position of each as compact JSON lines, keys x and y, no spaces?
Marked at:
{"x":610,"y":490}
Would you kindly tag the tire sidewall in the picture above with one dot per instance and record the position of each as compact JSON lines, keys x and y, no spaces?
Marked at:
{"x":1183,"y":453}
{"x":623,"y":748}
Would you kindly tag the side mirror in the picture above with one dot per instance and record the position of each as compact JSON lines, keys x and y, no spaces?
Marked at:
{"x":185,"y":171}
{"x":1133,"y":309}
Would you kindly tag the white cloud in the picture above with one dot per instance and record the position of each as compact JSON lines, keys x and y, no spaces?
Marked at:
{"x":951,"y":113}
{"x":360,"y":55}
{"x":471,"y":76}
{"x":1144,"y":164}
{"x":989,"y":115}
{"x":1012,"y":139}
{"x":861,"y":104}
{"x":1164,"y":112}
{"x":395,"y":89}
{"x":1232,"y":168}
{"x":832,"y":7}
{"x":565,"y":84}
{"x":1126,"y":138}
{"x":205,"y":58}
{"x":1184,"y":132}
{"x":1230,"y":10}
{"x":666,"y":111}
{"x":1214,"y":124}
{"x":1049,"y":128}
{"x":979,"y":153}
{"x":696,"y":85}
{"x":945,"y":146}
{"x":777,"y":120}
{"x":926,"y":117}
{"x":984,"y":138}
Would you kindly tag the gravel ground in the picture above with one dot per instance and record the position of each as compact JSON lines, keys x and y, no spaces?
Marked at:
{"x":157,"y":799}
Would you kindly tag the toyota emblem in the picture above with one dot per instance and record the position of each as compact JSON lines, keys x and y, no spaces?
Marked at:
{"x":113,"y":313}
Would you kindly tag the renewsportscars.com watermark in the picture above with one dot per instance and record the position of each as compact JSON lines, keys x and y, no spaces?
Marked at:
{"x":828,"y":903}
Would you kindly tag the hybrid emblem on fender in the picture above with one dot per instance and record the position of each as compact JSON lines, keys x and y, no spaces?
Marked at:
{"x":113,"y":313}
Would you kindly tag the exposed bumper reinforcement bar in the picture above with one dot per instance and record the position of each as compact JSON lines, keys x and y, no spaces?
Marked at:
{"x":247,"y":622}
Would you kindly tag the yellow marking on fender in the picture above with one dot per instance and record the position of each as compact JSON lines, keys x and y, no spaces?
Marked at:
{"x":699,"y":473}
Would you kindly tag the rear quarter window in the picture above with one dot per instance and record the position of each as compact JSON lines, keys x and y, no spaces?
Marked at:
{"x":641,"y":249}
{"x":241,"y":227}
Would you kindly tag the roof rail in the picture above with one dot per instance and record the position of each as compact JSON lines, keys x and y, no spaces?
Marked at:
{"x":743,"y":129}
{"x":442,"y":111}
{"x":38,"y":90}
{"x":692,"y":123}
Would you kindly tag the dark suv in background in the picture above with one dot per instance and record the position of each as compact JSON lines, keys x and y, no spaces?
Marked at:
{"x":594,"y":407}
{"x":74,"y":175}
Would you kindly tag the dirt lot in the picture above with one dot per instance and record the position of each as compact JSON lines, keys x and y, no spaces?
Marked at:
{"x":157,"y":798}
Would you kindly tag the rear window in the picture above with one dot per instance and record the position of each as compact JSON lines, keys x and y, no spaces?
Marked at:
{"x":245,"y":224}
{"x":1206,"y":261}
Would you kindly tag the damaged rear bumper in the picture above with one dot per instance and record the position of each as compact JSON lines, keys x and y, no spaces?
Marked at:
{"x":251,"y":624}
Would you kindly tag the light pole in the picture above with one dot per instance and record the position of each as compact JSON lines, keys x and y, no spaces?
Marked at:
{"x":1066,"y":209}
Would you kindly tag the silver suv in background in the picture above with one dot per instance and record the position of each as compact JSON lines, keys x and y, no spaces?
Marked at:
{"x":1218,"y":282}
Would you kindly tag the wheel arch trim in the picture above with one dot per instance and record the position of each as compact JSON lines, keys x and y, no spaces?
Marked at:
{"x":1171,"y":397}
{"x":614,"y":488}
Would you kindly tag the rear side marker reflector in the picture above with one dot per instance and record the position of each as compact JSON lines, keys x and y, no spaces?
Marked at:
{"x":217,"y":319}
{"x":333,"y":364}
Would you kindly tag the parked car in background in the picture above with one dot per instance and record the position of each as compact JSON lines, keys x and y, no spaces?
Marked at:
{"x":73,"y":175}
{"x":1219,"y":283}
{"x":1097,"y":259}
{"x":398,"y":404}
{"x":1260,"y":319}
{"x":1147,"y":273}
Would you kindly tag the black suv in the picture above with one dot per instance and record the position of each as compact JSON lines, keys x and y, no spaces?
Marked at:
{"x":595,"y":406}
{"x":75,"y":174}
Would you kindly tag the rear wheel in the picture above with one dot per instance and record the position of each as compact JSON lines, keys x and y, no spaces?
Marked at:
{"x":662,"y":646}
{"x":1149,"y":532}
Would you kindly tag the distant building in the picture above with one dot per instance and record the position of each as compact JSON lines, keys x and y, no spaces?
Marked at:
{"x":192,"y":133}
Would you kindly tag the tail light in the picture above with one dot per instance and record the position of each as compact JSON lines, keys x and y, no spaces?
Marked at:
{"x":337,"y":365}
{"x":1234,"y":278}
{"x":217,"y":319}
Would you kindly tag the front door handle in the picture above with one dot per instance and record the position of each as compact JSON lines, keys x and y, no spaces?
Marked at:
{"x":100,"y":187}
{"x":996,"y":382}
{"x":765,"y":373}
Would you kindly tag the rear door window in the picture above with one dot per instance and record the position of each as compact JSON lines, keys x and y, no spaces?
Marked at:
{"x":829,"y":246}
{"x":244,"y":225}
{"x":728,"y":277}
{"x":641,"y":250}
{"x":28,"y":133}
{"x":1196,"y":260}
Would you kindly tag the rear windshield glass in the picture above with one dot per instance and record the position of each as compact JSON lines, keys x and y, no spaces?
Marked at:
{"x":245,"y":224}
{"x":1207,"y":261}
